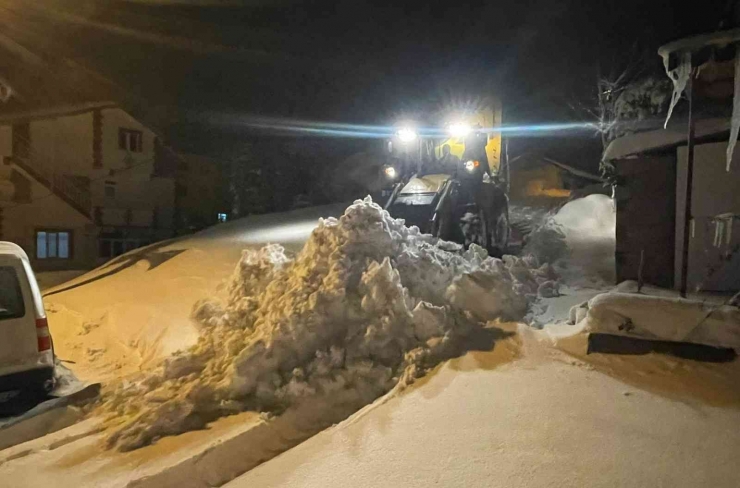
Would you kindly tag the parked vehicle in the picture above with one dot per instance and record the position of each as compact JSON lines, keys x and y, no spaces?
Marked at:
{"x":26,"y":349}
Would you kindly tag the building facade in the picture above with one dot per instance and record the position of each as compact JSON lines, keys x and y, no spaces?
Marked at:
{"x":81,"y":184}
{"x":669,"y":235}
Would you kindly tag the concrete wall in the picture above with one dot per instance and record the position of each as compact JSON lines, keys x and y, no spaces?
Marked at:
{"x":714,"y":191}
{"x":63,"y":143}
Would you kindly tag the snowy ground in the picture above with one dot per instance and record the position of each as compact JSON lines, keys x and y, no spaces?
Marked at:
{"x":524,"y":407}
{"x":541,"y":420}
{"x":135,"y":310}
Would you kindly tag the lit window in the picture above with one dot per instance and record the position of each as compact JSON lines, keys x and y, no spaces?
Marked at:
{"x":51,"y":242}
{"x":63,"y":245}
{"x":54,"y":244}
{"x":130,"y":140}
{"x":222,"y":217}
{"x":41,"y":245}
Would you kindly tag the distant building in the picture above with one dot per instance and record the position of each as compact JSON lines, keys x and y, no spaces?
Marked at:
{"x":651,"y":173}
{"x":536,"y":178}
{"x":81,"y":184}
{"x":201,"y":190}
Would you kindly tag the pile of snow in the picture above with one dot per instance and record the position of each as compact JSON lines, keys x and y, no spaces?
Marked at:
{"x":661,"y":318}
{"x":366,"y":305}
{"x":579,"y":240}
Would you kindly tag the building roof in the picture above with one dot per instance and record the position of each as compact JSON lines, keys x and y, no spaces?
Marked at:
{"x":675,"y":135}
{"x":695,"y":43}
{"x":574,"y":171}
{"x":54,"y":111}
{"x":531,"y":160}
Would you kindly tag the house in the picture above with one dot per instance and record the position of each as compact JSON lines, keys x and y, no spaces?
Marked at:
{"x":82,"y":183}
{"x":656,"y":215}
{"x":534,"y":177}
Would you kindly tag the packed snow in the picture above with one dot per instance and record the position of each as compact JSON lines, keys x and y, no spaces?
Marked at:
{"x":579,"y":241}
{"x":134,"y":311}
{"x":365,"y":305}
{"x":662,"y":318}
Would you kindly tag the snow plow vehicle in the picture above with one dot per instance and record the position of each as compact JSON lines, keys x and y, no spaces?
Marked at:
{"x":457,"y":199}
{"x":451,"y":208}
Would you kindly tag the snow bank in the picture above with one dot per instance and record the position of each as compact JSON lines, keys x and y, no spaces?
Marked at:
{"x":660,"y":318}
{"x":365,"y":305}
{"x":579,"y":240}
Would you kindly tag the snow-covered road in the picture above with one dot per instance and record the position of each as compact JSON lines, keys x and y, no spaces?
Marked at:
{"x":135,"y":310}
{"x":545,"y":420}
{"x":523,"y":407}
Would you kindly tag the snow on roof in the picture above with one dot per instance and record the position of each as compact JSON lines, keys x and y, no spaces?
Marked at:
{"x":674,"y":135}
{"x":55,"y":111}
{"x":721,"y":38}
{"x":573,"y":171}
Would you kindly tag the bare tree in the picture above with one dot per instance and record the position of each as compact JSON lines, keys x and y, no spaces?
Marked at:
{"x":625,"y":93}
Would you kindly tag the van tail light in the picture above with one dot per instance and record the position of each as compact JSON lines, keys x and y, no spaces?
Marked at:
{"x":42,"y":334}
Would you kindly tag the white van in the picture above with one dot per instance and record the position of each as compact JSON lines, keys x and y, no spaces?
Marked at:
{"x":26,"y":353}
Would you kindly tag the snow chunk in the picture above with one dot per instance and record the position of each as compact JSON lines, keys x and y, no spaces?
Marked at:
{"x":661,"y":318}
{"x":365,"y":305}
{"x":578,"y":242}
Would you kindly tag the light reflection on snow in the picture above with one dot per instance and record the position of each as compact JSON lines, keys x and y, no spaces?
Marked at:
{"x":293,"y":232}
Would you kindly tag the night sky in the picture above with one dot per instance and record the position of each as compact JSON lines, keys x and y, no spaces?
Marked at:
{"x":196,"y":69}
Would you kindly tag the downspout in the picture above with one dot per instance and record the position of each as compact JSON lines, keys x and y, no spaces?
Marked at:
{"x":689,"y":183}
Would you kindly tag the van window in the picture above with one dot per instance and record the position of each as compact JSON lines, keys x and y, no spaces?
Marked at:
{"x":11,"y":298}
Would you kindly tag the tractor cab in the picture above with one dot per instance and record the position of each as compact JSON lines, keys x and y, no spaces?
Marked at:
{"x":453,"y":197}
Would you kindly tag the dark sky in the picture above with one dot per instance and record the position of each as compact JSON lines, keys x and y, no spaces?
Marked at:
{"x":176,"y":63}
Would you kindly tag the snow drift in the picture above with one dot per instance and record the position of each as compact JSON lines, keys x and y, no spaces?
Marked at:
{"x":367,"y":304}
{"x":579,"y":240}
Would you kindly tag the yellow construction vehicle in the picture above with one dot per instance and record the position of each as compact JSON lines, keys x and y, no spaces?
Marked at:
{"x":446,"y":179}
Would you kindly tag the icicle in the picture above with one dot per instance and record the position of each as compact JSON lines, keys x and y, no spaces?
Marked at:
{"x":735,"y":125}
{"x":679,"y":77}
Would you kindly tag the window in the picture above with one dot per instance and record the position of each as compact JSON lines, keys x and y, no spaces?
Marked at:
{"x":222,"y":217}
{"x":11,"y":298}
{"x":53,"y":244}
{"x":130,"y":140}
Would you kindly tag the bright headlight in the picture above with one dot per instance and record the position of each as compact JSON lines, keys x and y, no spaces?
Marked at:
{"x":459,"y":129}
{"x":390,"y":172}
{"x":471,"y":165}
{"x":406,"y":134}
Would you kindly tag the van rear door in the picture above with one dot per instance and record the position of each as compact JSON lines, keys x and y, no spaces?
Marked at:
{"x":18,"y":340}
